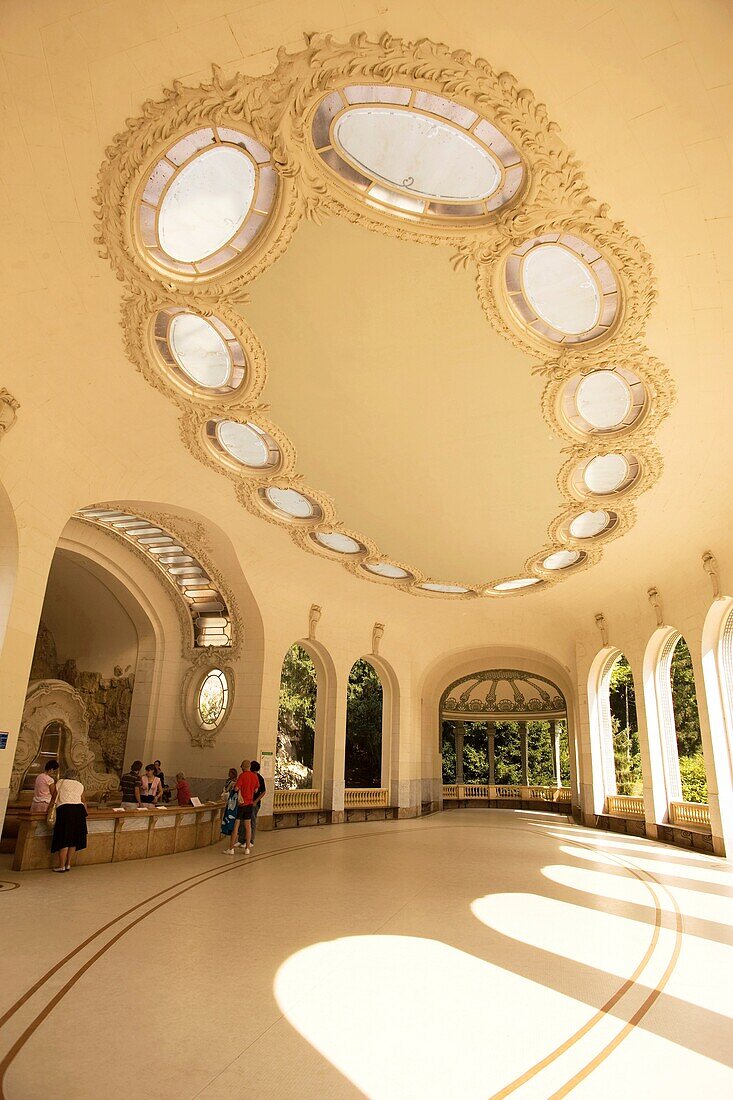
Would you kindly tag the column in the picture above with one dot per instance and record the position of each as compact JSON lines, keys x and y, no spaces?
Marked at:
{"x":555,"y":742}
{"x":459,"y":731}
{"x":491,"y":734}
{"x":524,"y":748}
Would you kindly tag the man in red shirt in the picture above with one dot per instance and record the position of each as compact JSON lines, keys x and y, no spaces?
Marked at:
{"x":247,"y":787}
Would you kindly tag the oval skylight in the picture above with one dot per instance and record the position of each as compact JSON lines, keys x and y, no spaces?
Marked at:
{"x":606,"y":473}
{"x":419,"y":154}
{"x":561,"y":559}
{"x":449,"y":589}
{"x":603,"y":399}
{"x":519,"y":582}
{"x":200,"y":351}
{"x":246,"y":443}
{"x":339,"y":543}
{"x":291,"y":502}
{"x":384,"y":569}
{"x":562,"y":290}
{"x":589,"y":524}
{"x":206,"y":203}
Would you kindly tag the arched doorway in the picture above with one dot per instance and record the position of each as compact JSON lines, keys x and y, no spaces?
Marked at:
{"x":504,"y":736}
{"x":364,"y":727}
{"x":296,"y":721}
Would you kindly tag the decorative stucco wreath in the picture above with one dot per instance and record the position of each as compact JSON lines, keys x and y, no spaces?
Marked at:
{"x":294,"y":136}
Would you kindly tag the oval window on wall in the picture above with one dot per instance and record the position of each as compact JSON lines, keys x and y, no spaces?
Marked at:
{"x":213,"y":699}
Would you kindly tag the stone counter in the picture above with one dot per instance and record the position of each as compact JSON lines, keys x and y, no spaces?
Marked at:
{"x":116,"y":835}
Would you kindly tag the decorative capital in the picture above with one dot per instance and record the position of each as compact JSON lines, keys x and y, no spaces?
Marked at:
{"x":313,"y":616}
{"x":710,"y":565}
{"x":377,"y":633}
{"x":656,"y":602}
{"x":8,"y":411}
{"x":601,"y":624}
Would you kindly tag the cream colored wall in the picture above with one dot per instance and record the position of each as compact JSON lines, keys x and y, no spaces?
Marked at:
{"x":87,"y":622}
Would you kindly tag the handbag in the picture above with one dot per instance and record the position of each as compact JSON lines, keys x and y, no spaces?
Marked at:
{"x":51,"y":815}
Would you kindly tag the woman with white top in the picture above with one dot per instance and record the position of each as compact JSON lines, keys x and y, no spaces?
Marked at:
{"x":70,"y":826}
{"x":44,"y":787}
{"x":151,"y":788}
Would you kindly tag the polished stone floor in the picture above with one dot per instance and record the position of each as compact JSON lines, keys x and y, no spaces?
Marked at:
{"x":471,"y":954}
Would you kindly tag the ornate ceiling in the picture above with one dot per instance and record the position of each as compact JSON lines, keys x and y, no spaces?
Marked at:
{"x":503,"y":694}
{"x":565,"y":293}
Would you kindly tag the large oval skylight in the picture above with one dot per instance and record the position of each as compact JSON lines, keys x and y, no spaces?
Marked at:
{"x":199,"y":350}
{"x":206,"y":203}
{"x":589,"y":524}
{"x":606,"y":473}
{"x":339,"y":543}
{"x":248,"y":444}
{"x":560,"y":287}
{"x":292,"y":503}
{"x":384,"y":569}
{"x":448,"y":589}
{"x":417,"y":153}
{"x":561,"y":559}
{"x":603,"y":399}
{"x":512,"y":586}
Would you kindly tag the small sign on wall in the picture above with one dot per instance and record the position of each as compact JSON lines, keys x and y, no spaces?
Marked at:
{"x":266,"y":764}
{"x":4,"y":740}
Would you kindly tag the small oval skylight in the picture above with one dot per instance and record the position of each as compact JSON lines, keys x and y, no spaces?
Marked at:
{"x":292,"y":503}
{"x":384,"y":569}
{"x":338,"y":542}
{"x":606,"y":473}
{"x":561,"y":288}
{"x":519,"y":582}
{"x":603,"y":399}
{"x":449,"y":589}
{"x":206,"y":203}
{"x":589,"y":524}
{"x":248,"y":444}
{"x":423,"y":155}
{"x":200,"y":351}
{"x":561,"y":559}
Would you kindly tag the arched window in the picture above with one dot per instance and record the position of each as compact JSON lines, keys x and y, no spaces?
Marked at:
{"x":296,"y":721}
{"x":364,"y":719}
{"x":623,"y":728}
{"x":691,"y":764}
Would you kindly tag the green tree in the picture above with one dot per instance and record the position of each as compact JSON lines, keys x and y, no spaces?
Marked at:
{"x":448,"y":750}
{"x":694,"y":780}
{"x":364,"y":700}
{"x":296,"y":716}
{"x":622,"y":702}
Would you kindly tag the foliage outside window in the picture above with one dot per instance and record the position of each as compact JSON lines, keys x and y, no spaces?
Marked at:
{"x":364,"y":700}
{"x":507,"y":754}
{"x":213,"y":699}
{"x":687,"y":725}
{"x":296,"y":721}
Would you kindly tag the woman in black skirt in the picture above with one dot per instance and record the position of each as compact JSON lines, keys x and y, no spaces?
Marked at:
{"x":70,"y":826}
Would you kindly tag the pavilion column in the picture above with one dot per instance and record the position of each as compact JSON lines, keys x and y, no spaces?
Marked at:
{"x":525,"y":753}
{"x":459,"y":730}
{"x":555,"y":739}
{"x":491,"y":734}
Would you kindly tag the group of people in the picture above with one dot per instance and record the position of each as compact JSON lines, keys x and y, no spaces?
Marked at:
{"x":63,"y":803}
{"x":149,"y":788}
{"x":243,"y":794}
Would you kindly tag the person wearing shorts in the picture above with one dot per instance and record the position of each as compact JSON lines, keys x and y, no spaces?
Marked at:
{"x":247,"y":786}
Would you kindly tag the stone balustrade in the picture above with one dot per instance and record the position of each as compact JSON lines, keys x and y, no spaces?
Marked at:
{"x":625,"y":805}
{"x":505,"y":792}
{"x":363,"y":797}
{"x":696,"y":814}
{"x":296,"y":801}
